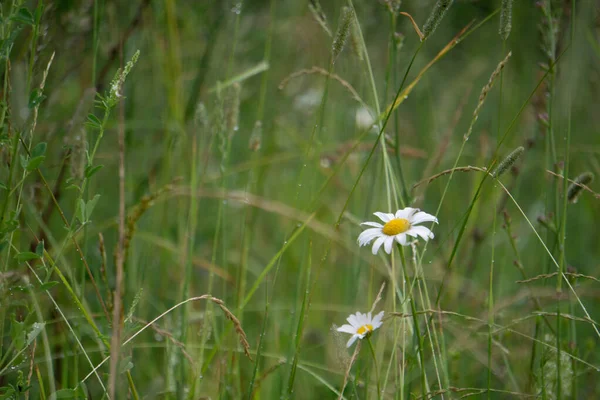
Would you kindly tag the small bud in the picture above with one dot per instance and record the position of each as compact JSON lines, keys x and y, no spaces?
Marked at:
{"x":394,"y":6}
{"x":507,"y":218}
{"x":326,"y":162}
{"x":398,"y":40}
{"x":201,"y":118}
{"x":255,"y":141}
{"x":232,"y":109}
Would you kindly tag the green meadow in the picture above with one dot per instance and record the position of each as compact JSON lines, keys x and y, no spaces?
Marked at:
{"x":184,"y":186}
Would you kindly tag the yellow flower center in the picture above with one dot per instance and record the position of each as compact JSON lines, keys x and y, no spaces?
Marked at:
{"x":365,"y":328}
{"x":396,"y":226}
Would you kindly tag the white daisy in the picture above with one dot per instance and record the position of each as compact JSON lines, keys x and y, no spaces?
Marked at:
{"x":397,"y":227}
{"x":360,"y":326}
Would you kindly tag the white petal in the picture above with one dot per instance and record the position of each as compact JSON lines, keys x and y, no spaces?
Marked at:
{"x":352,"y":340}
{"x":365,"y":240}
{"x":389,"y":241}
{"x":378,"y":244}
{"x":367,"y":235}
{"x":377,"y":320}
{"x":422,"y":217}
{"x":383,"y":216}
{"x":353,"y":321}
{"x":375,"y":224}
{"x":422,"y":231}
{"x":401,"y":238}
{"x":361,"y":319}
{"x":347,"y":329}
{"x":406,"y":213}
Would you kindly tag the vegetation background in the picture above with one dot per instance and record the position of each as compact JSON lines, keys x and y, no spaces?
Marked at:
{"x":236,"y":157}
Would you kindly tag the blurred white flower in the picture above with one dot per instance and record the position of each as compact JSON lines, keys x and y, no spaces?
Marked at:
{"x":360,"y":326}
{"x":308,"y":100}
{"x":397,"y":227}
{"x":363,"y":118}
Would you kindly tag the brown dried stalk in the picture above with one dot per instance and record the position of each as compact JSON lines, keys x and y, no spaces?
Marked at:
{"x":347,"y":374}
{"x":324,"y":72}
{"x":236,"y":324}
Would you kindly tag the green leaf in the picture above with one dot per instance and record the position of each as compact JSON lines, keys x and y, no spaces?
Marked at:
{"x":90,"y":170}
{"x":39,"y":11}
{"x":10,"y":224}
{"x":24,"y":16}
{"x":94,"y":121}
{"x":39,"y":249}
{"x":3,"y":186}
{"x":26,"y":256}
{"x":6,"y":44}
{"x":24,"y":161}
{"x":125,"y":364}
{"x":39,"y":150}
{"x":9,"y":394}
{"x":17,"y":332}
{"x":22,"y":288}
{"x":36,"y":329}
{"x":34,"y":163}
{"x":35,"y":98}
{"x":48,"y":285}
{"x":73,"y":187}
{"x":67,"y":394}
{"x":90,"y":207}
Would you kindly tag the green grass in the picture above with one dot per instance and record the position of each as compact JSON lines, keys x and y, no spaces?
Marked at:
{"x":189,"y":228}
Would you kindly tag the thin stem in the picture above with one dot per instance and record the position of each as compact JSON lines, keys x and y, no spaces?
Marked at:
{"x":491,"y":301}
{"x":375,"y":366}
{"x":119,"y":261}
{"x":413,"y":308}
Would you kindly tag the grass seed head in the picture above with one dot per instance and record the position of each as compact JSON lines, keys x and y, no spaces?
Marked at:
{"x":485,"y":91}
{"x":116,"y":85}
{"x":355,"y":41}
{"x":505,"y":19}
{"x":317,"y":12}
{"x":509,"y":161}
{"x":342,"y":33}
{"x":436,"y":16}
{"x":576,"y":188}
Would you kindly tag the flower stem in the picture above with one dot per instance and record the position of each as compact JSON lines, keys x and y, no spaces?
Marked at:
{"x":375,"y":363}
{"x":417,"y":331}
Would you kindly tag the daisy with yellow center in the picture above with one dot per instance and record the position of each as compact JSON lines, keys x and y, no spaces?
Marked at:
{"x":360,"y":325}
{"x":396,"y":227}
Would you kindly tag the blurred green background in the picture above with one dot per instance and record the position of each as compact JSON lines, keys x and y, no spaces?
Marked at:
{"x":242,"y":143}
